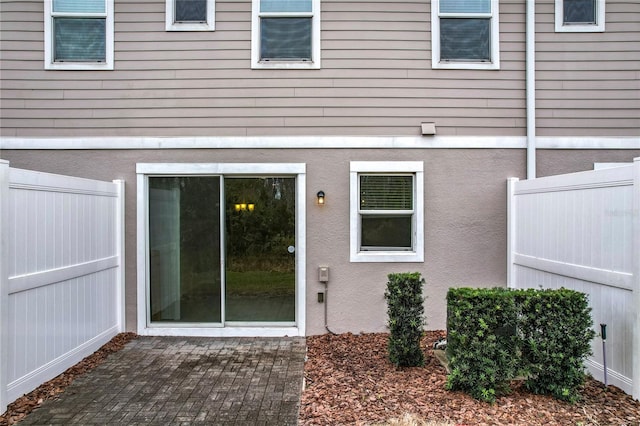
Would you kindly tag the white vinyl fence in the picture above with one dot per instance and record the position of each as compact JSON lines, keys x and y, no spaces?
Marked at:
{"x":582,"y":231}
{"x":61,"y":274}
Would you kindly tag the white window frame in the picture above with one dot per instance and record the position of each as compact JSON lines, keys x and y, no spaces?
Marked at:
{"x":172,"y":25}
{"x":315,"y":38}
{"x":494,"y":42}
{"x":358,"y":168}
{"x":146,"y":170}
{"x":49,"y":40}
{"x":598,"y":27}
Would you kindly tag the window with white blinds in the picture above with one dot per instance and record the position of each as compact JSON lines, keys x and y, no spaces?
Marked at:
{"x":386,"y":192}
{"x":387,"y":212}
{"x":190,"y":15}
{"x":79,"y":34}
{"x":465,"y":34}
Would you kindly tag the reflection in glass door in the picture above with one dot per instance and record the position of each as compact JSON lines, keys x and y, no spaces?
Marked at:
{"x":184,"y":249}
{"x":260,"y":249}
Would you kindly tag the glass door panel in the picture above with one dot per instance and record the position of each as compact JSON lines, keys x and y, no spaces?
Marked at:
{"x":184,"y":249}
{"x":260,"y":249}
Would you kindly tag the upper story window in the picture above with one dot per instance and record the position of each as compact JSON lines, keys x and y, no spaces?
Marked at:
{"x":387,"y":205}
{"x":190,"y":15}
{"x":465,"y":34}
{"x":580,"y":15}
{"x":285,"y":34}
{"x":78,"y":34}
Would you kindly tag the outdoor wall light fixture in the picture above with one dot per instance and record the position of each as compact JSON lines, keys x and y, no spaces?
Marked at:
{"x":320,"y":196}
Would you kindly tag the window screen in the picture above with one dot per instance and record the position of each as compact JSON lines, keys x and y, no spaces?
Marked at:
{"x":191,"y":10}
{"x":579,"y":11}
{"x":79,"y":39}
{"x":285,"y":39}
{"x":465,"y":39}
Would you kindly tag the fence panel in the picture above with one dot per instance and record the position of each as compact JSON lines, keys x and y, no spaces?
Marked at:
{"x":62,"y":272}
{"x":580,"y":231}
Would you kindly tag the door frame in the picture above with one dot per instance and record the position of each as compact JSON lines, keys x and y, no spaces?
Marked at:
{"x":146,"y":170}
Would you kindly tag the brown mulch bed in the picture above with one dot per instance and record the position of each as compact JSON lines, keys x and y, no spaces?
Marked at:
{"x":22,"y":406}
{"x":349,"y":380}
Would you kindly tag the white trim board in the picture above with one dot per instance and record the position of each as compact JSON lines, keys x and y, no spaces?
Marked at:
{"x":327,"y":142}
{"x":222,"y":331}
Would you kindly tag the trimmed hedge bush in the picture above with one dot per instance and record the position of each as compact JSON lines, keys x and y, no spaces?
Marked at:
{"x":556,"y":331}
{"x":406,"y":318}
{"x":495,"y":335}
{"x":481,"y":341}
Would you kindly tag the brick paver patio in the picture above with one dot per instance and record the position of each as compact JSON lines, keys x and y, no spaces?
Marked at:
{"x":193,"y":380}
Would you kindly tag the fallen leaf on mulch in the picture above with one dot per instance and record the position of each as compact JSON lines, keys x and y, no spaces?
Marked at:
{"x":22,"y":406}
{"x":349,"y":380}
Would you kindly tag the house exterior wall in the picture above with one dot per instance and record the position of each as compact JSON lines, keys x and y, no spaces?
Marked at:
{"x":556,"y":162}
{"x":465,"y":219}
{"x":376,"y":80}
{"x":588,"y":84}
{"x":459,"y":224}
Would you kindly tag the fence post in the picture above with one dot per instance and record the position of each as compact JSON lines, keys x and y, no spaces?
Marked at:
{"x":511,"y":231}
{"x":635,"y":369}
{"x":4,"y":281}
{"x":120,"y":247}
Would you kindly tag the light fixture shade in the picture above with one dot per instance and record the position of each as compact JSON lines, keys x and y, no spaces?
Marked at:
{"x":320,"y":197}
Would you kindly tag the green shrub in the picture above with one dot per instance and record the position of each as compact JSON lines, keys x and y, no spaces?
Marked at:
{"x":556,"y":328}
{"x":406,"y":318}
{"x":481,"y":341}
{"x":494,"y":335}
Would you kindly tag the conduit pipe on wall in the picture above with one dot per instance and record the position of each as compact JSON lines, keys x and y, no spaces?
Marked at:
{"x":530,"y":77}
{"x":326,"y":297}
{"x":635,"y":368}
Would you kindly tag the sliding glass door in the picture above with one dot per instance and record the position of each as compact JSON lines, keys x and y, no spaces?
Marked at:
{"x":188,"y":217}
